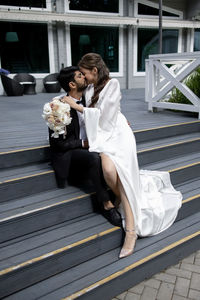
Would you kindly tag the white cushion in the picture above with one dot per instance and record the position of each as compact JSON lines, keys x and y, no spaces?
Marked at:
{"x":26,"y":82}
{"x":51,"y":82}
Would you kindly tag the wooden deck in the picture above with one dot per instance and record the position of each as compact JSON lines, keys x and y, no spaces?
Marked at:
{"x":41,"y":224}
{"x":22,"y":125}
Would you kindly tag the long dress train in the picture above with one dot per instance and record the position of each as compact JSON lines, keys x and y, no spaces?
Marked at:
{"x":153,"y":199}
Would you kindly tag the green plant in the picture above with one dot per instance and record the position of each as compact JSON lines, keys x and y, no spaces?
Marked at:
{"x":193,"y":83}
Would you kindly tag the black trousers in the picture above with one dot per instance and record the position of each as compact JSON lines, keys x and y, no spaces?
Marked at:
{"x":88,"y":164}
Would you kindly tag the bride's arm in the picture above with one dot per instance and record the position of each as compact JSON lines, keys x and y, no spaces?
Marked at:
{"x":101,"y":120}
{"x":72,"y":103}
{"x":109,"y":105}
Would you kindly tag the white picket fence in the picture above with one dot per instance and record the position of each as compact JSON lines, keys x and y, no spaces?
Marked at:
{"x":161,"y":79}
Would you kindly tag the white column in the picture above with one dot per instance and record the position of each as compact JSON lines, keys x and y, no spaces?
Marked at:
{"x":68,"y":45}
{"x":51,"y":49}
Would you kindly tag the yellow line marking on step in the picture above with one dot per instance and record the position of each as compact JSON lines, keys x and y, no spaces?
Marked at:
{"x":42,"y":257}
{"x":140,"y":130}
{"x":132,"y":266}
{"x":28,"y":176}
{"x":184,"y":167}
{"x":5,"y":271}
{"x":81,"y":196}
{"x":24,"y":149}
{"x":190,"y":198}
{"x":45,"y":207}
{"x":52,"y":171}
{"x":169,"y":145}
{"x":66,"y":201}
{"x":166,"y":126}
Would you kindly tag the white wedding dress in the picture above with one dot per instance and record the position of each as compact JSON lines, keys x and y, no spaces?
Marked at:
{"x":153,"y":200}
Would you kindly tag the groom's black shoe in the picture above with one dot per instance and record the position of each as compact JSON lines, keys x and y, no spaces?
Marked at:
{"x":61,"y":183}
{"x":113,"y":216}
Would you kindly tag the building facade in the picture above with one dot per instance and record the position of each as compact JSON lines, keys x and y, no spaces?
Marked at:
{"x":42,"y":36}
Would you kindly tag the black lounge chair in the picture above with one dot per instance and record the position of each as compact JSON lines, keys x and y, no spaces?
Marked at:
{"x":28,"y":81}
{"x":51,"y":83}
{"x":11,"y":86}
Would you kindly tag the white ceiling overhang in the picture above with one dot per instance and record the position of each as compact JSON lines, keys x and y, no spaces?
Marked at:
{"x":88,"y":19}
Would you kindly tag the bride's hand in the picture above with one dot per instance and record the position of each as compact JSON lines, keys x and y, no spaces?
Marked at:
{"x":69,"y":100}
{"x":72,"y":103}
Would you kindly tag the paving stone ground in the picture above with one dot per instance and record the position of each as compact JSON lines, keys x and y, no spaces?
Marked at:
{"x":178,"y":282}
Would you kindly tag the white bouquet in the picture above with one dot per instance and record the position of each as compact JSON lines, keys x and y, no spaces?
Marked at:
{"x":57,"y":116}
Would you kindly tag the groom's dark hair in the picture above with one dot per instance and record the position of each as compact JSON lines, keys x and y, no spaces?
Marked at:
{"x":65,"y":76}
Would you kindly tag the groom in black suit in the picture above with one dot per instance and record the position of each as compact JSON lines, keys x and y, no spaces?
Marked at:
{"x":70,"y":153}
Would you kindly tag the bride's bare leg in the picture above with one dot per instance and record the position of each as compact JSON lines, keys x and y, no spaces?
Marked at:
{"x":131,"y":236}
{"x":110,"y":173}
{"x":113,"y":181}
{"x":110,"y":176}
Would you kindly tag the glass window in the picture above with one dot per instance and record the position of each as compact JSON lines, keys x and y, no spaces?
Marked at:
{"x":197,"y":40}
{"x":152,"y":11}
{"x":110,"y":6}
{"x":24,"y":47}
{"x":25,"y":3}
{"x":148,"y":43}
{"x":101,"y":40}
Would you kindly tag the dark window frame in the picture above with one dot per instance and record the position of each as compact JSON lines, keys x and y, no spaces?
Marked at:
{"x":95,"y":28}
{"x":156,"y":6}
{"x":9,"y":4}
{"x":26,"y":51}
{"x":96,"y":11}
{"x":197,"y":30}
{"x":139,"y":51}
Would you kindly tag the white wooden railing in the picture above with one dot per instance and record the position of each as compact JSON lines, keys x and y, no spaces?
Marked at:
{"x":161,"y":79}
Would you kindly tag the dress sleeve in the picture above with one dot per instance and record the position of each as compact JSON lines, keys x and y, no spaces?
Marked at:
{"x":101,"y":120}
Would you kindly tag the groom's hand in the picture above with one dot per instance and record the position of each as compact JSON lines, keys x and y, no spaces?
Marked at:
{"x":85,"y":144}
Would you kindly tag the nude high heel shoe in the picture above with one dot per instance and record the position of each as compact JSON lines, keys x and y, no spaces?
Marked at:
{"x":130,"y":235}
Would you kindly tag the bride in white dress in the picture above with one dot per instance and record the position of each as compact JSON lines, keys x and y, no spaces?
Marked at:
{"x":149,"y":203}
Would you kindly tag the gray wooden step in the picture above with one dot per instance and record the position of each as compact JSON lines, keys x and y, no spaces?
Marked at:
{"x":39,"y":211}
{"x":168,"y":141}
{"x":54,"y":246}
{"x":26,"y":180}
{"x":147,"y":138}
{"x":10,"y":174}
{"x":14,"y":158}
{"x":170,"y":151}
{"x":162,"y":132}
{"x":105,"y":276}
{"x":34,"y":178}
{"x":41,"y":201}
{"x":52,"y":208}
{"x":191,"y":197}
{"x":176,"y":168}
{"x":55,"y":250}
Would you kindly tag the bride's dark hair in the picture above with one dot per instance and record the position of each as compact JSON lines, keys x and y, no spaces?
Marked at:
{"x":89,"y":61}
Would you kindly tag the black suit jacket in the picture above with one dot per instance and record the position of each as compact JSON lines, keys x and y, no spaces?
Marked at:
{"x":61,"y":147}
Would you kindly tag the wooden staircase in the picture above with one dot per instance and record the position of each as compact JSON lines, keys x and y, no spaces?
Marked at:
{"x":53,"y":245}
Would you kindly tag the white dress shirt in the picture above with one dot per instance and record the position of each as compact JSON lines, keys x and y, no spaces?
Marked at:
{"x":82,"y":134}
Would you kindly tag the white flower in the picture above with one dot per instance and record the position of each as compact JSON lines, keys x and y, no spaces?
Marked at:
{"x":47,"y":109}
{"x":66,"y":119}
{"x":57,"y":116}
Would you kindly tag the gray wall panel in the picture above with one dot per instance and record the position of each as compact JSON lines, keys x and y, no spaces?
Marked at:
{"x":193,"y":9}
{"x":178,"y":4}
